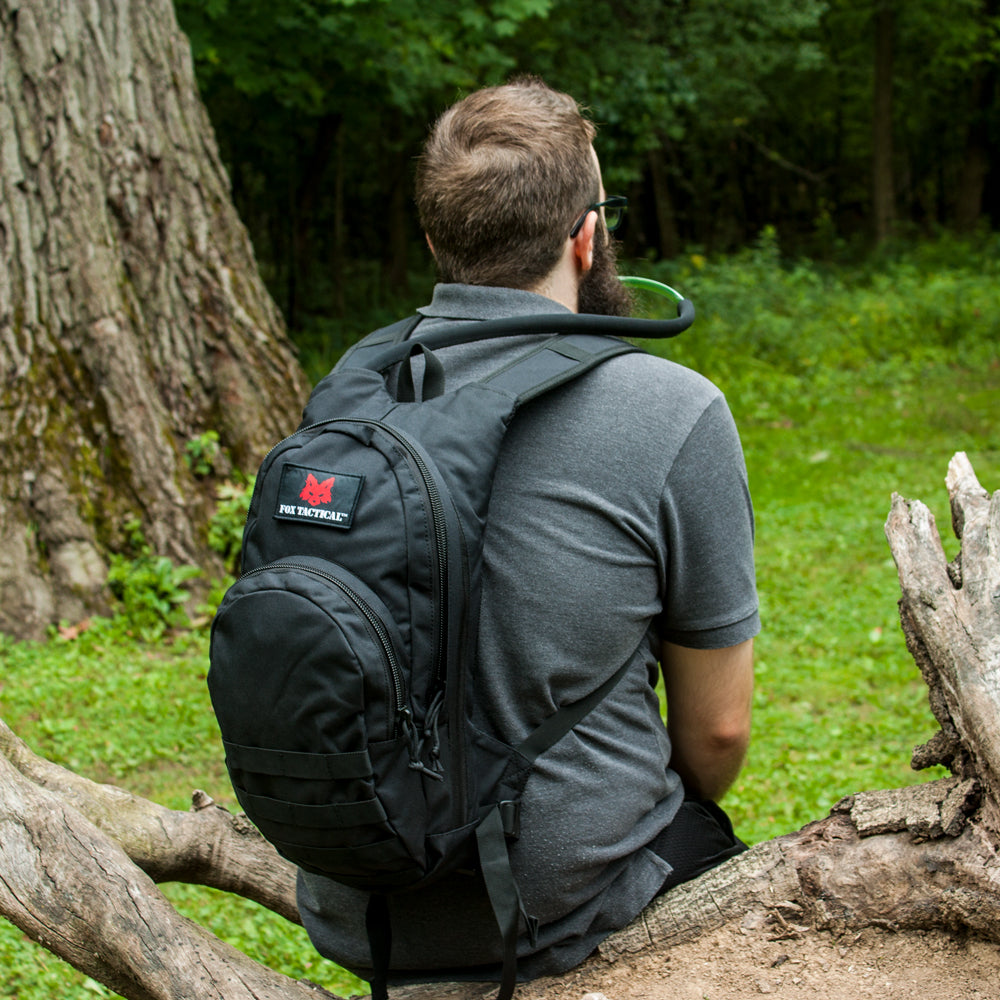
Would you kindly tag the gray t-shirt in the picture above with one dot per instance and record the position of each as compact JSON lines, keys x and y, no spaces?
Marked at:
{"x":620,"y":517}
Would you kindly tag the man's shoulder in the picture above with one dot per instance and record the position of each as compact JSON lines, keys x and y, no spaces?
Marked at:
{"x":654,"y":382}
{"x":647,"y":365}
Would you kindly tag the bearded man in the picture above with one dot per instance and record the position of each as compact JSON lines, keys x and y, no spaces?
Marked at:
{"x":620,"y":529}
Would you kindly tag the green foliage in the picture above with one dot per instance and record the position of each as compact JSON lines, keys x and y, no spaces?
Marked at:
{"x":398,"y":53}
{"x":779,"y":331}
{"x":151,"y":592}
{"x":202,"y":452}
{"x":150,"y":589}
{"x":370,"y":302}
{"x":225,"y":530}
{"x":715,"y":118}
{"x":102,"y":701}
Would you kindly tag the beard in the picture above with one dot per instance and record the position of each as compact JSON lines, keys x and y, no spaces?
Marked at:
{"x":601,"y":293}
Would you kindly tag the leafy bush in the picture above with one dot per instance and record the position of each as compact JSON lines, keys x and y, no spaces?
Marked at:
{"x":150,"y":589}
{"x":202,"y":452}
{"x":761,"y":316}
{"x":225,"y":530}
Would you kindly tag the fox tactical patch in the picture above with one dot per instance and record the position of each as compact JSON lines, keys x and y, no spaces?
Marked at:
{"x":318,"y":496}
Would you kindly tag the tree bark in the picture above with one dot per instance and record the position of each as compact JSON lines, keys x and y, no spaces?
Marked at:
{"x":77,"y":892}
{"x":951,"y":619}
{"x":132,"y":318}
{"x":78,"y":860}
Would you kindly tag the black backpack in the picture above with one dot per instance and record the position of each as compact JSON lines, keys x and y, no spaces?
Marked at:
{"x":343,"y":659}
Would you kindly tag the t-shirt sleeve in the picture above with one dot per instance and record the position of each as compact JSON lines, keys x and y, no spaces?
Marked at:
{"x":709,"y":588}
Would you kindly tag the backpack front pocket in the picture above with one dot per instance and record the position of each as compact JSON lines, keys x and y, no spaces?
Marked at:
{"x":307,"y":672}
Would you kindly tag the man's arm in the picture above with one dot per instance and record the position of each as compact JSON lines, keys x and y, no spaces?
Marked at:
{"x":709,"y":693}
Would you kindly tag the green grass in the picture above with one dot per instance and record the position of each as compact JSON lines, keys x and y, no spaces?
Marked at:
{"x":839,"y":703}
{"x":139,"y":716}
{"x":847,"y":385}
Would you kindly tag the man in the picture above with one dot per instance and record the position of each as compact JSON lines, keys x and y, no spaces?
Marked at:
{"x":620,"y":527}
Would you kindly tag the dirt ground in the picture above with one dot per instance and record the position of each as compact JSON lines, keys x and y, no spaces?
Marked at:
{"x":738,"y":963}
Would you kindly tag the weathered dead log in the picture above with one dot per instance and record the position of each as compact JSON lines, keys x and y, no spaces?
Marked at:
{"x":206,"y":846}
{"x":951,"y":619}
{"x":74,"y":890}
{"x":906,"y":859}
{"x":78,"y":860}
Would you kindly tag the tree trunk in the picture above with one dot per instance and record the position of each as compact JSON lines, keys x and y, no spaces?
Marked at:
{"x":398,"y":181}
{"x":325,"y":142}
{"x":80,"y":857}
{"x":976,"y":163}
{"x":132,"y":318}
{"x":666,"y":216}
{"x":883,"y":189}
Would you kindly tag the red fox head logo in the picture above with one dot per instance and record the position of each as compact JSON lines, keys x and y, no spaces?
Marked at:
{"x":315,"y":492}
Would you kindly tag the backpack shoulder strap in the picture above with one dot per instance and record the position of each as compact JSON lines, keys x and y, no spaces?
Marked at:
{"x":559,"y":359}
{"x":562,"y":357}
{"x":503,"y":820}
{"x":375,"y":343}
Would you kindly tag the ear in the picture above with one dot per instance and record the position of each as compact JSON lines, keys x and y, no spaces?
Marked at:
{"x":583,"y":243}
{"x":429,"y":244}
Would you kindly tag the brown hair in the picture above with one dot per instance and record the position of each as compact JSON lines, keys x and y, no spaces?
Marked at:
{"x":503,"y":176}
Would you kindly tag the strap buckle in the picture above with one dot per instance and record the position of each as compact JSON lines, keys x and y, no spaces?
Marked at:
{"x":510,"y":816}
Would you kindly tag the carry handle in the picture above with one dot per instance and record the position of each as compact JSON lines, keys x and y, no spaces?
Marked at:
{"x":433,"y":375}
{"x":453,"y":334}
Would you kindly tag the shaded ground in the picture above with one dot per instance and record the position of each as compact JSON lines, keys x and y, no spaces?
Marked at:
{"x":737,"y":963}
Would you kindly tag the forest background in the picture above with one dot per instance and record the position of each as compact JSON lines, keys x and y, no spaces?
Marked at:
{"x":820,"y":178}
{"x":838,"y":122}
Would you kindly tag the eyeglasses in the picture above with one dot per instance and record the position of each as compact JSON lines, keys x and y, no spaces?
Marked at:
{"x":614,"y":212}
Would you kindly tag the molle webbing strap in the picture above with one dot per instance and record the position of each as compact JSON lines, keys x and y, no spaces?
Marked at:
{"x":328,"y":816}
{"x":379,"y":931}
{"x":298,"y":765}
{"x":504,"y":896}
{"x":559,"y":359}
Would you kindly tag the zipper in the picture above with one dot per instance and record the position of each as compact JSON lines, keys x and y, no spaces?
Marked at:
{"x":441,"y":538}
{"x":440,"y":528}
{"x":400,"y":711}
{"x":436,"y":510}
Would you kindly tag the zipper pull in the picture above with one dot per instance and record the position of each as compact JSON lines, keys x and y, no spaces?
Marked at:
{"x":415,"y":744}
{"x":431,"y":733}
{"x":408,"y":729}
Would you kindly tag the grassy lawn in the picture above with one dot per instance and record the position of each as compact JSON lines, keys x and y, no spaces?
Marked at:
{"x":846,"y":388}
{"x":839,"y":703}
